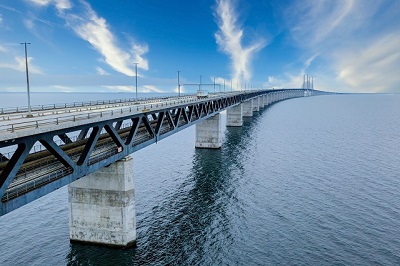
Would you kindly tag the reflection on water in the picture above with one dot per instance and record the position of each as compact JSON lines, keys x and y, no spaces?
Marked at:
{"x":83,"y":254}
{"x":193,"y":221}
{"x":310,"y":181}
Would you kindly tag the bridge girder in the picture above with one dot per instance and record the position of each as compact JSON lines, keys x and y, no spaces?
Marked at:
{"x":86,"y":148}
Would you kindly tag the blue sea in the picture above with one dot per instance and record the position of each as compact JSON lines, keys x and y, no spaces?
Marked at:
{"x":306,"y":181}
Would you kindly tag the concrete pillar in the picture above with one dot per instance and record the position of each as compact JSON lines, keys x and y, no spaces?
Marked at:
{"x":265,"y":99}
{"x":208,"y":133}
{"x":247,"y":108}
{"x":256,"y":104}
{"x":102,"y":206}
{"x":234,"y":116}
{"x":261,"y":101}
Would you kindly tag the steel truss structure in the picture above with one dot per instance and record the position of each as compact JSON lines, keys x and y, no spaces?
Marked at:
{"x":29,"y":174}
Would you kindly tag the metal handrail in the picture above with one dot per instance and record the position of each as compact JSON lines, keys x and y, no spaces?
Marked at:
{"x":73,"y":118}
{"x":46,"y":107}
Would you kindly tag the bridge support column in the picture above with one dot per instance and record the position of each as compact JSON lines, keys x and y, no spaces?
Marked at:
{"x":234,"y":116}
{"x":256,"y":104}
{"x":261,"y":101}
{"x":102,"y":206}
{"x":248,"y":108}
{"x":265,"y":99}
{"x":208,"y":133}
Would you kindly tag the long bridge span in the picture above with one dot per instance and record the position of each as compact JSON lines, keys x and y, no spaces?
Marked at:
{"x":60,"y":144}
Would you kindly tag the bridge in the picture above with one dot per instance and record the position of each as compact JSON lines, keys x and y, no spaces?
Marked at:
{"x":61,"y":144}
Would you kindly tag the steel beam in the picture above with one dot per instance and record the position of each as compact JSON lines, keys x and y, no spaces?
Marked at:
{"x":116,"y":141}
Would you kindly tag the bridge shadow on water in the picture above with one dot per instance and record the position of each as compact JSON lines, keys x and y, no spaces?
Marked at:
{"x":194,"y":225}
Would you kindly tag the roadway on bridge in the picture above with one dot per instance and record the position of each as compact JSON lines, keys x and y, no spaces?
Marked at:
{"x":17,"y":124}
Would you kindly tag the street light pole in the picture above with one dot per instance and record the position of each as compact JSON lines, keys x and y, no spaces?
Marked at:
{"x":179,"y":86}
{"x":136,"y":78}
{"x":214,"y":85}
{"x":27,"y":80}
{"x":200,"y":84}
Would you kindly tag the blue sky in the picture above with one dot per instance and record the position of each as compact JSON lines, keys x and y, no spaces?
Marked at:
{"x":82,"y":45}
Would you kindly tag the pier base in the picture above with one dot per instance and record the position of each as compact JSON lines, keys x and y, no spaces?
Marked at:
{"x":234,"y":116}
{"x":102,"y":206}
{"x":208,"y":133}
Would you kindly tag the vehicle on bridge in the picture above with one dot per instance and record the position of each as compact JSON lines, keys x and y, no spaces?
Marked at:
{"x":201,"y":94}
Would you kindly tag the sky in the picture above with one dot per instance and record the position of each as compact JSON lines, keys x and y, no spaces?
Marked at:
{"x":96,"y":45}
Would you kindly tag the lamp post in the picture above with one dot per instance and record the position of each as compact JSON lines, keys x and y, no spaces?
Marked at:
{"x":214,"y":84}
{"x":179,"y":86}
{"x":200,"y":84}
{"x":136,"y":78}
{"x":27,"y":79}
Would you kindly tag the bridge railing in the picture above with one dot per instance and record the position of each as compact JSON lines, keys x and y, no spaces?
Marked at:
{"x":46,"y":107}
{"x":131,"y":106}
{"x":32,"y":124}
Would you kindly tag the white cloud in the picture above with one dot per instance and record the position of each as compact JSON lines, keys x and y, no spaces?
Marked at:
{"x":61,"y":88}
{"x":29,"y":23}
{"x":63,"y":4}
{"x":121,"y":88}
{"x":356,"y":40}
{"x":94,"y":29}
{"x":375,"y":67}
{"x":319,"y":20}
{"x":288,"y":81}
{"x":20,"y":65}
{"x":60,"y":4}
{"x":144,"y":88}
{"x":41,"y":2}
{"x":101,"y":71}
{"x":229,"y":39}
{"x":151,"y":88}
{"x":3,"y":49}
{"x":182,"y":88}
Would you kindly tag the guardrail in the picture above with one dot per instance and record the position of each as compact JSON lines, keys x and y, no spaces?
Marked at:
{"x":33,"y":124}
{"x":46,"y":107}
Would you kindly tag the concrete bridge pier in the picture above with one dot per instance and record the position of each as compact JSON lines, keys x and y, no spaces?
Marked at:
{"x":274,"y":97}
{"x":256,"y":104}
{"x":102,"y":206}
{"x":261,"y":101}
{"x":248,"y":108}
{"x":209,"y":133}
{"x":265,"y":100}
{"x":234,"y":116}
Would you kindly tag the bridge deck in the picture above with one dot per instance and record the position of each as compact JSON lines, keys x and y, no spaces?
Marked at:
{"x":59,"y":145}
{"x":17,"y":124}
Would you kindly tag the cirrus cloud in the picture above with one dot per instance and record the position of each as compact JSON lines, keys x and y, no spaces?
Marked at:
{"x":87,"y":25}
{"x":357,"y":41}
{"x":230,"y":37}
